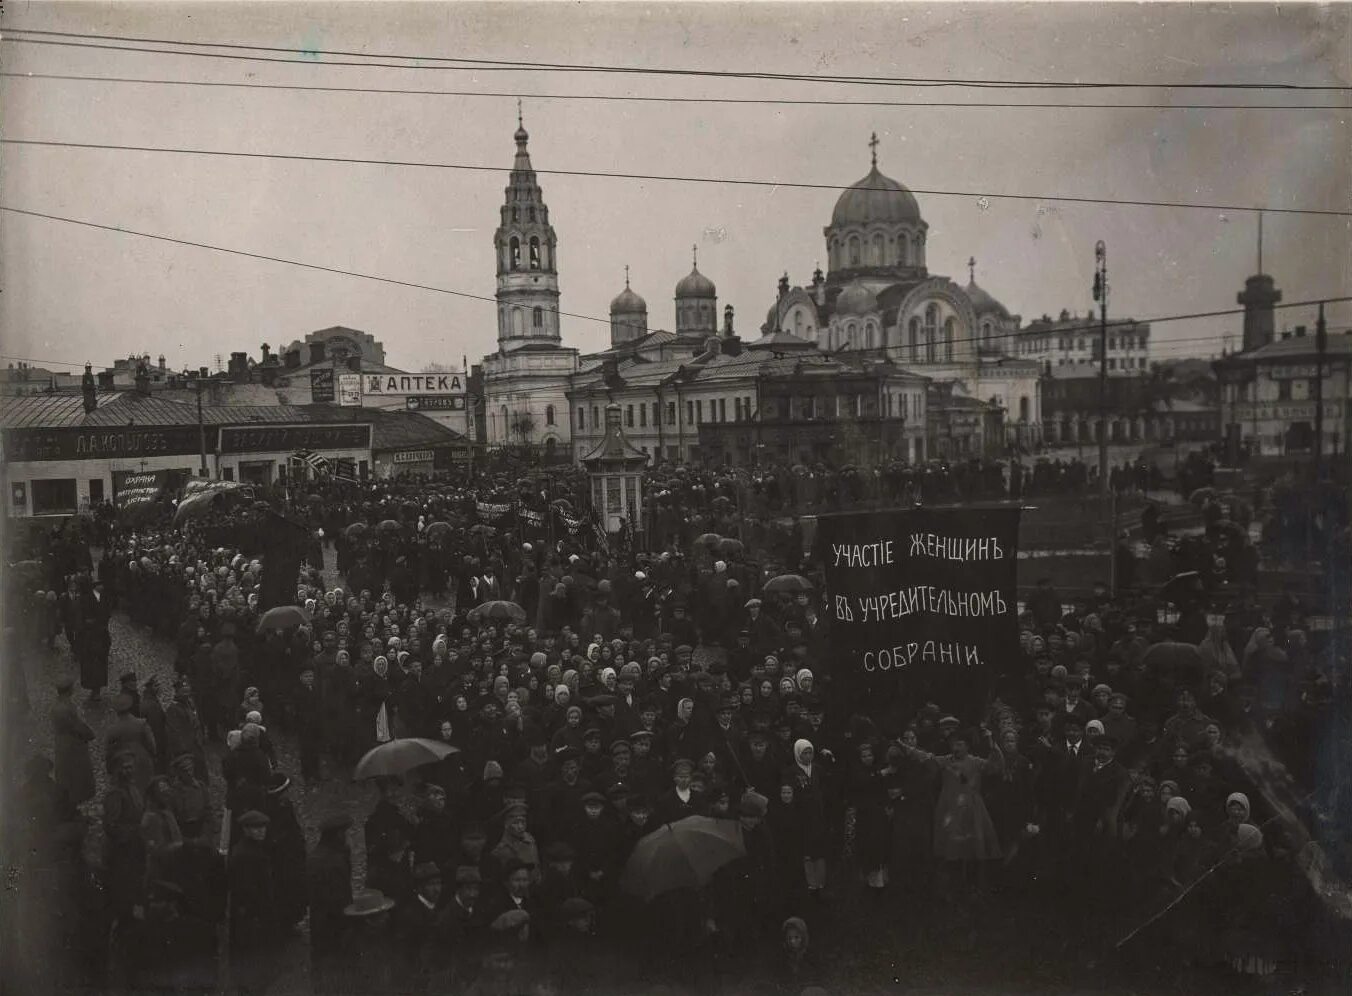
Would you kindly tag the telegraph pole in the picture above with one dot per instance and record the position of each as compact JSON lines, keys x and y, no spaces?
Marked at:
{"x":1101,"y":296}
{"x":1321,"y":344}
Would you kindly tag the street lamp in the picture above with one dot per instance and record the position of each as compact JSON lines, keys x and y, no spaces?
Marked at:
{"x":1101,"y":296}
{"x":195,"y":382}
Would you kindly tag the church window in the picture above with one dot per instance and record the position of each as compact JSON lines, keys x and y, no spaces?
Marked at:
{"x":913,"y":335}
{"x":689,"y":413}
{"x":503,"y":415}
{"x":596,"y":417}
{"x":948,"y":340}
{"x":850,"y":332}
{"x":643,"y":416}
{"x":537,"y":318}
{"x":629,"y":416}
{"x":901,"y":250}
{"x":798,"y":323}
{"x":1024,"y":408}
{"x":581,"y":417}
{"x":722,"y":409}
{"x":671,"y":413}
{"x":534,"y":253}
{"x":878,"y":256}
{"x":516,"y":214}
{"x":530,"y":214}
{"x":549,"y":414}
{"x":516,"y":253}
{"x":931,"y":333}
{"x":918,"y":252}
{"x":985,"y":331}
{"x":854,"y":250}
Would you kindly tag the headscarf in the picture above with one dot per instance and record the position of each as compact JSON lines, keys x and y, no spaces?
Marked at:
{"x":803,"y":675}
{"x":1248,"y":837}
{"x":798,"y":924}
{"x":799,"y":747}
{"x":1179,"y":805}
{"x":1240,"y":798}
{"x":1094,"y":726}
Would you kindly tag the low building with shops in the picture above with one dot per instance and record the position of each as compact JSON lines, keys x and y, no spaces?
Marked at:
{"x":1073,"y":398}
{"x":64,"y":452}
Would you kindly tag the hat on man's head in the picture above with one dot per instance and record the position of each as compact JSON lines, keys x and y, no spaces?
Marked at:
{"x":426,"y":871}
{"x":467,"y":875}
{"x":253,"y":818}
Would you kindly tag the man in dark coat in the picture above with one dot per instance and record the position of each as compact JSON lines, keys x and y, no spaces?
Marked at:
{"x":74,"y":770}
{"x":183,"y":732}
{"x":89,"y":633}
{"x":286,"y":844}
{"x":328,"y":872}
{"x":414,"y":926}
{"x":253,"y":905}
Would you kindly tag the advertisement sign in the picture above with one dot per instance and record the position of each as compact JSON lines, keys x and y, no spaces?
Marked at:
{"x":289,"y":438}
{"x":18,"y":493}
{"x":321,"y":386}
{"x":436,"y":384}
{"x":105,"y":443}
{"x":349,"y":389}
{"x":921,"y":601}
{"x":435,"y":403}
{"x":413,"y":456}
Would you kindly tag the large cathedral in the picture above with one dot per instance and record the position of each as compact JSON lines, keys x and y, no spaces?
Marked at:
{"x":876,"y":311}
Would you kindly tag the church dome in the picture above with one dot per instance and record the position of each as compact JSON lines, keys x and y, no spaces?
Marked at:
{"x":695,"y":284}
{"x":628,"y":301}
{"x":983,"y":303}
{"x":856,"y":299}
{"x":876,"y":199}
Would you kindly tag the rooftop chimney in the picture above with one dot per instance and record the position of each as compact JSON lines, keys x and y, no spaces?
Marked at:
{"x":316,"y":352}
{"x":727,"y":321}
{"x":267,"y":352}
{"x":91,"y":400}
{"x":291,"y":359}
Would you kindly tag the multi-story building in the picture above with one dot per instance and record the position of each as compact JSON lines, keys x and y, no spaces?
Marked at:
{"x":1074,"y":340}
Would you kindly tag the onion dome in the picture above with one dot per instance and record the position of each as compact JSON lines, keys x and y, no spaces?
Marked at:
{"x":627,"y":300}
{"x":695,"y":284}
{"x":876,"y":199}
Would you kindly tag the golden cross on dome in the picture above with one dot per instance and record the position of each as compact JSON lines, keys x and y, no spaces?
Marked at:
{"x":626,"y":276}
{"x":520,"y":122}
{"x":971,"y":268}
{"x":694,"y":256}
{"x":873,"y":146}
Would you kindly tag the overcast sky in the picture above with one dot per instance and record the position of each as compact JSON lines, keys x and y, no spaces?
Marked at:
{"x":73,"y":294}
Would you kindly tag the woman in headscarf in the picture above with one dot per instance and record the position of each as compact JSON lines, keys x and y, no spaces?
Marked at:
{"x":866,"y":795}
{"x":806,"y":775}
{"x":964,"y":836}
{"x":1216,"y":652}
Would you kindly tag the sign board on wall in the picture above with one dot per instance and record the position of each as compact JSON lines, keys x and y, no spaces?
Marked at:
{"x":105,"y":444}
{"x":414,"y":456}
{"x":267,"y":438}
{"x":435,"y":403}
{"x":349,"y":389}
{"x":439,"y":384}
{"x":18,"y":493}
{"x":921,"y":602}
{"x":321,"y":386}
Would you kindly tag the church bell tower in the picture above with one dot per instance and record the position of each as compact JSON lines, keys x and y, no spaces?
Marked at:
{"x":528,"y":278}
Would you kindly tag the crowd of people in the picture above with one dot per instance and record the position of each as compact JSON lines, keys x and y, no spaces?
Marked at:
{"x":587,"y":696}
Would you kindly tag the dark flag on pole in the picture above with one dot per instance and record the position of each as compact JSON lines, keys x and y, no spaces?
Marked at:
{"x":285,"y":545}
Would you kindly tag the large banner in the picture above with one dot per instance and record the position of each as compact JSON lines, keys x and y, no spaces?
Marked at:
{"x":921,"y":603}
{"x":139,"y":491}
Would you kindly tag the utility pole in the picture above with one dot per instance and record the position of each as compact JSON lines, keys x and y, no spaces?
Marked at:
{"x":1101,"y":296}
{"x":201,"y":429}
{"x":1321,"y":344}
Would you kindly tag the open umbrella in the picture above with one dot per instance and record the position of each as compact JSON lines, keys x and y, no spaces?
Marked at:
{"x":681,"y":855}
{"x":498,"y":609}
{"x":791,"y":583}
{"x":389,"y":526}
{"x":283,"y":617}
{"x":439,"y":528}
{"x":707,"y":539}
{"x":1181,"y":660}
{"x":729,"y":545}
{"x":400,"y":756}
{"x":355,"y":530}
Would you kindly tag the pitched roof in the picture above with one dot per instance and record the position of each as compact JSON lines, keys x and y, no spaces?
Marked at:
{"x":405,"y":430}
{"x":1298,"y":345}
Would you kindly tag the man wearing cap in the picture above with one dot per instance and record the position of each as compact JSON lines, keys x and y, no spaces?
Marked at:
{"x":564,"y":795}
{"x":414,"y":926}
{"x":516,"y":894}
{"x":765,"y":635}
{"x":560,"y":880}
{"x":454,"y":951}
{"x":1101,"y":792}
{"x":183,"y":731}
{"x":679,"y":801}
{"x":253,"y":903}
{"x":130,"y":734}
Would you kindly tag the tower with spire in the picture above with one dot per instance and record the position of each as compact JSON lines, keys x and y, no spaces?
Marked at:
{"x":528,"y":276}
{"x":1259,"y":295}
